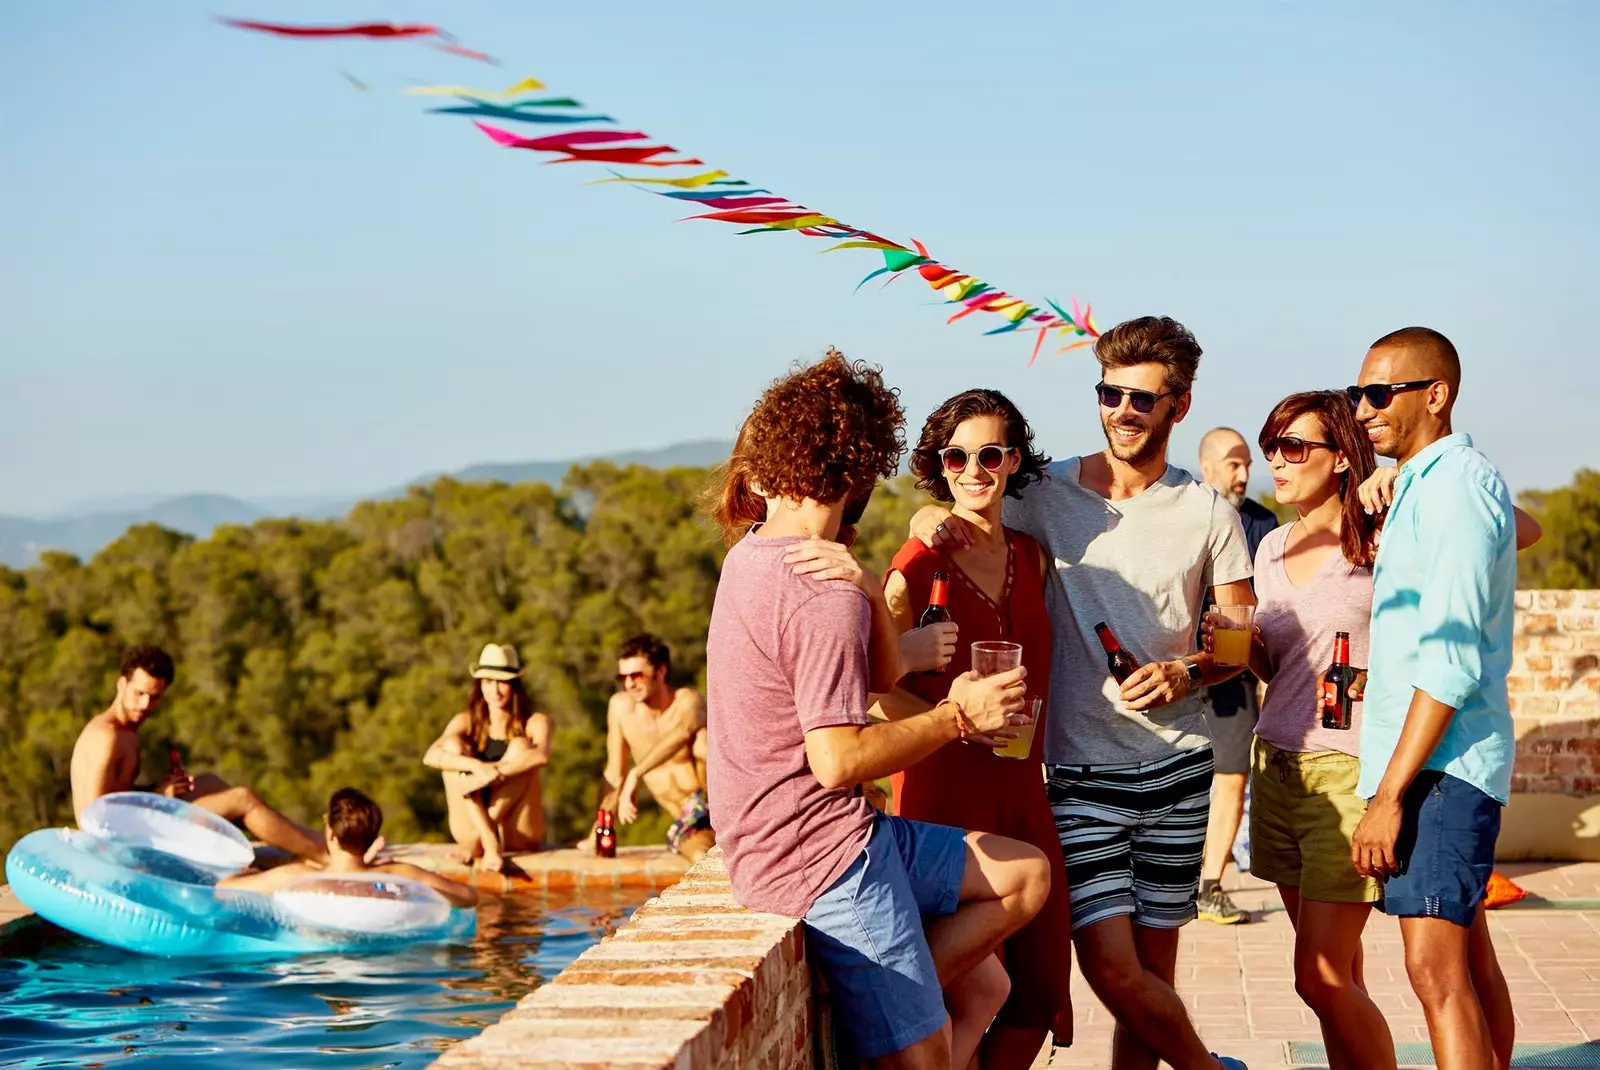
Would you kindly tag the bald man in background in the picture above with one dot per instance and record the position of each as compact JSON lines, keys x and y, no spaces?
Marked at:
{"x":1230,"y":707}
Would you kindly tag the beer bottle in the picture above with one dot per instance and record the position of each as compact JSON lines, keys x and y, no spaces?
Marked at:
{"x":1121,"y":663}
{"x":1335,"y":691}
{"x":605,"y":836}
{"x":938,"y":602}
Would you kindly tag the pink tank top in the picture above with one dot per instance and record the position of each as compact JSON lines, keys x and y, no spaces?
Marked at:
{"x":1297,"y":628}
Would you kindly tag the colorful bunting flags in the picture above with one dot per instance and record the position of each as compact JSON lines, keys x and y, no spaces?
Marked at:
{"x":366,"y":29}
{"x":727,"y":199}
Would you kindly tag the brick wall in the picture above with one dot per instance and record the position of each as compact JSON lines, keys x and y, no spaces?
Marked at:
{"x":1555,"y":693}
{"x":692,"y":981}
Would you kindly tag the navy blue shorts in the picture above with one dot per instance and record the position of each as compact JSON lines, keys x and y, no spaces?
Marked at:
{"x":865,"y":932}
{"x":1446,"y":850}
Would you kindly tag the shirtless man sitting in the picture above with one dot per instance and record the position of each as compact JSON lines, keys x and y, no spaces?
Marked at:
{"x":666,"y":728}
{"x":106,"y":759}
{"x":351,"y":830}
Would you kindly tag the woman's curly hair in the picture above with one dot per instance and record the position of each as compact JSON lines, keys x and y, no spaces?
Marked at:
{"x":819,"y":433}
{"x":941,"y":428}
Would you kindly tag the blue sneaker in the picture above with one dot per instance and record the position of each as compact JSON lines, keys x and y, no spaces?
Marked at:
{"x":1227,"y":1063}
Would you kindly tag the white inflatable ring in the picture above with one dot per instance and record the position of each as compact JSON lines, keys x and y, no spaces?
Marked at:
{"x":362,"y":903}
{"x":171,"y":826}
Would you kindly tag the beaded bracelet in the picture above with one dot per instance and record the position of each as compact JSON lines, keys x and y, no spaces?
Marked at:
{"x":961,"y":719}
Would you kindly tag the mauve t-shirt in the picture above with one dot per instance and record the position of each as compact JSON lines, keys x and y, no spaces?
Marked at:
{"x":1297,"y":628}
{"x":785,"y":654}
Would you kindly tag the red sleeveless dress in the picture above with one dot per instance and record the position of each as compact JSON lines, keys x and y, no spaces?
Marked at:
{"x":971,"y":787}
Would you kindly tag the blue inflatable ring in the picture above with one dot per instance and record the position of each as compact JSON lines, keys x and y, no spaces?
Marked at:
{"x":137,"y":897}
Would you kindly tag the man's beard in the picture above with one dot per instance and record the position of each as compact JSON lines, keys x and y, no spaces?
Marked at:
{"x":1152,"y":447}
{"x":1235,"y":497}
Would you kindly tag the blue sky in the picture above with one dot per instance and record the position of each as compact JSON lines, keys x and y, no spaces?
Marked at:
{"x":223,"y":268}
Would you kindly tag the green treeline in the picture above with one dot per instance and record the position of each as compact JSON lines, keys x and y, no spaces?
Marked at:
{"x":312,"y":655}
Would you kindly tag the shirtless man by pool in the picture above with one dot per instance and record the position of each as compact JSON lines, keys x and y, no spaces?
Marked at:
{"x":663,"y":729}
{"x":106,"y":759}
{"x":350,"y":830}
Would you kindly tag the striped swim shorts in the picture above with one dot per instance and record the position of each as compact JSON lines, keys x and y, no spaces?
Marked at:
{"x":1133,"y":836}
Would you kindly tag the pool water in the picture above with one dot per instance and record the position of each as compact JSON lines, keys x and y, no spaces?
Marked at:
{"x":78,"y":1003}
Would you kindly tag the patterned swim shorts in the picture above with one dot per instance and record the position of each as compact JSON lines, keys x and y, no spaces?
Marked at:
{"x":696,"y":815}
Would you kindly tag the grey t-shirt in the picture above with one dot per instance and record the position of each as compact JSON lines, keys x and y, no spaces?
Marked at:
{"x":1143,"y":565}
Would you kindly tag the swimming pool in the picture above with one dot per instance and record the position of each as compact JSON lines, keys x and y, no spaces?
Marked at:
{"x":77,"y":1003}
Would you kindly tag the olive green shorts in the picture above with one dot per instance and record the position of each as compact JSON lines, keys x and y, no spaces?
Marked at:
{"x":1303,"y":813}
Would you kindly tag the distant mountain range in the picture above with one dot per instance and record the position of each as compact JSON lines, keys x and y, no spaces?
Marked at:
{"x":95,"y":524}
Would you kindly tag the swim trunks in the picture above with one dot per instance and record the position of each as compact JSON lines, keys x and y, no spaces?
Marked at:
{"x":696,"y":815}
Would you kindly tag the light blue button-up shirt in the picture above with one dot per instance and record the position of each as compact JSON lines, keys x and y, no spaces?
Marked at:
{"x":1443,"y":600}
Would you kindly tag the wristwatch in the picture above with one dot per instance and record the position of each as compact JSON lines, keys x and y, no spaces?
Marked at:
{"x":1193,"y":667}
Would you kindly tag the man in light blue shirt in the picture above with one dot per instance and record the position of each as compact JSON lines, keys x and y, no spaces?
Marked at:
{"x":1436,"y":738}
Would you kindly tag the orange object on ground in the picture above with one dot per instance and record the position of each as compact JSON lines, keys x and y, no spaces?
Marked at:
{"x":1503,"y":891}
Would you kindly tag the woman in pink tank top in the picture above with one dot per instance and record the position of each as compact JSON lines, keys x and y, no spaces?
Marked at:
{"x":1314,"y":584}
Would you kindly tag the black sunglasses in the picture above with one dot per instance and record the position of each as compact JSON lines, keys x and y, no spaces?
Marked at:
{"x":1143,"y":401}
{"x":626,"y":678}
{"x":1379,"y":395}
{"x":1294,"y":450}
{"x":990,"y":458}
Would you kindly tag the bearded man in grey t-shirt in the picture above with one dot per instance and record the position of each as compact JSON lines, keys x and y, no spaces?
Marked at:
{"x":1139,"y":546}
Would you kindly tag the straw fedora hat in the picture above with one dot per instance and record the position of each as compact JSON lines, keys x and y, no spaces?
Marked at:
{"x":497,"y":663}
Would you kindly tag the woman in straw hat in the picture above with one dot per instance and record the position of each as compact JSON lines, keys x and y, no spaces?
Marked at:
{"x":491,"y":754}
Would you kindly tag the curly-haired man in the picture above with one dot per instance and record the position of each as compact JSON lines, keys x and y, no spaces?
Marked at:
{"x":799,"y":635}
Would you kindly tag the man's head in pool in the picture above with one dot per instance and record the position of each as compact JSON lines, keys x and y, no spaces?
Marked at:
{"x":353,"y":821}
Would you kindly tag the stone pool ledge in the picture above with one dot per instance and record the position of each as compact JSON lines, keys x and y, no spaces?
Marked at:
{"x":21,"y":930}
{"x":692,"y":981}
{"x":557,"y":869}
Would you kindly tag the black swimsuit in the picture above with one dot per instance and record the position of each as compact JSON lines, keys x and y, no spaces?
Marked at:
{"x":493,"y":751}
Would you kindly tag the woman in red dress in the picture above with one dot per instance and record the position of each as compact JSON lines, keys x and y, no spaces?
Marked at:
{"x":975,"y":449}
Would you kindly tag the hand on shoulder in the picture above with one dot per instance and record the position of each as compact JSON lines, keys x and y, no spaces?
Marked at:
{"x":940,"y":529}
{"x":824,"y":560}
{"x":1377,"y":490}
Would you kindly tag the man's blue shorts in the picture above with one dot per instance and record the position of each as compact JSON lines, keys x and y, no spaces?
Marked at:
{"x":1446,"y":850}
{"x":865,"y":933}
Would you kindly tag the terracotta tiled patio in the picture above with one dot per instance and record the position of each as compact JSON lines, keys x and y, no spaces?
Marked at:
{"x":1238,"y":983}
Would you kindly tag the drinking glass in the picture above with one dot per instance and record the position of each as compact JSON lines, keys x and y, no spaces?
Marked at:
{"x":1230,"y":634}
{"x":1023,"y":723}
{"x":990,"y":658}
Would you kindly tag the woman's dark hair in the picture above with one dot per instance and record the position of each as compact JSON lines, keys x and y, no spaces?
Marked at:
{"x":1358,"y":531}
{"x":941,"y":427}
{"x":520,"y":708}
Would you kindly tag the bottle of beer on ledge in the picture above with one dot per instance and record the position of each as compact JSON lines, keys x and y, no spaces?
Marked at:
{"x":1121,"y":663}
{"x":605,"y":835}
{"x":1335,"y":691}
